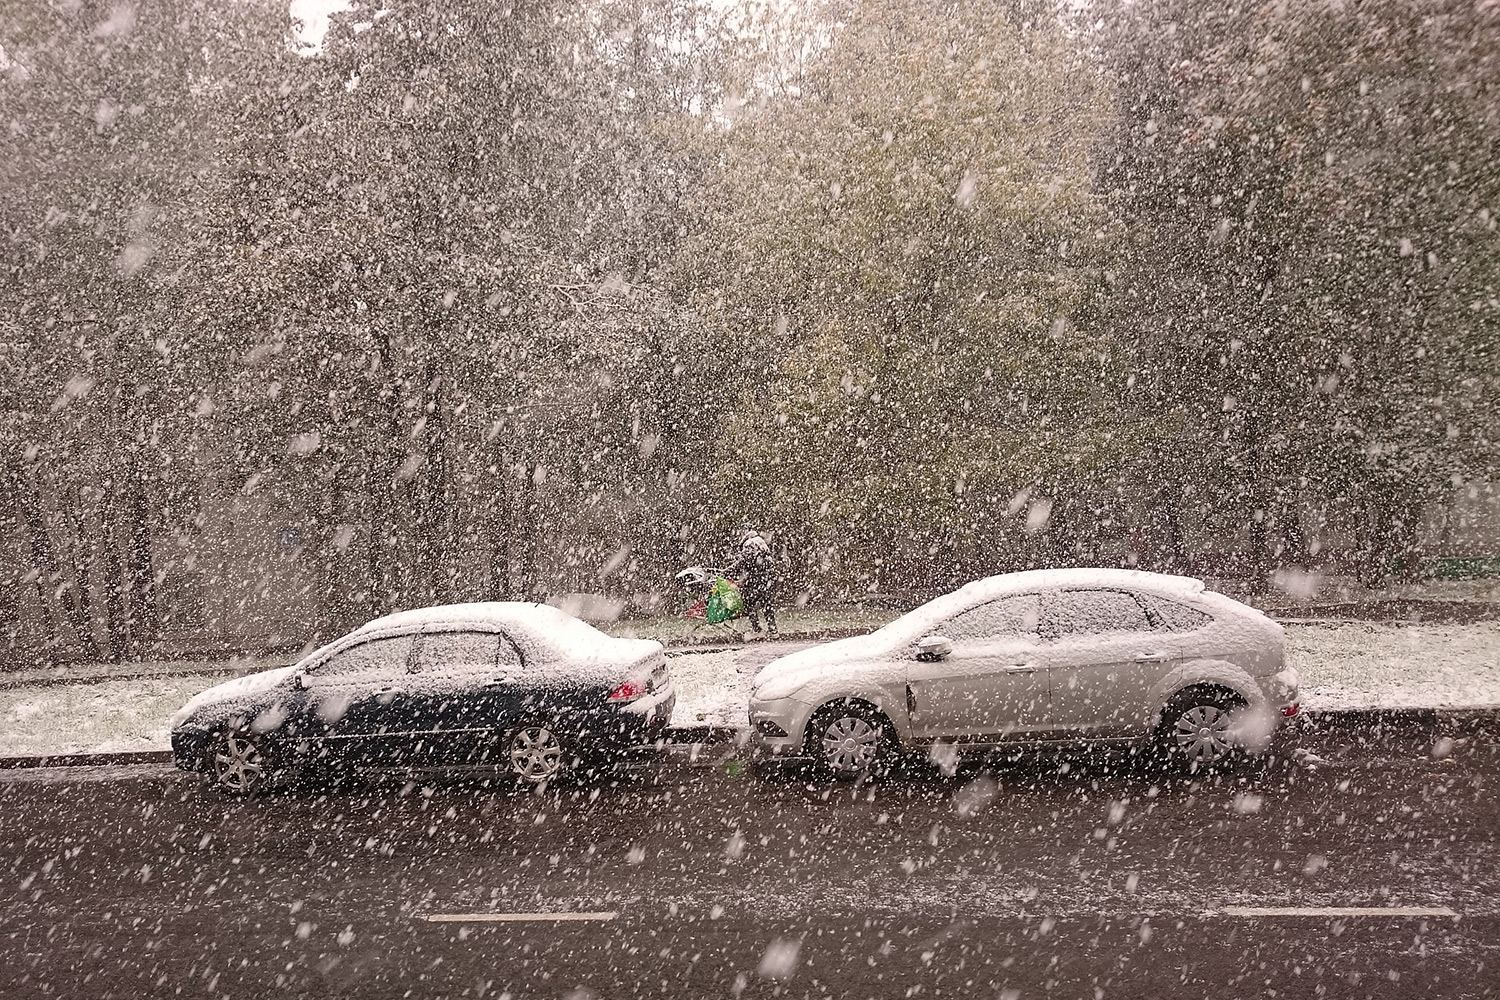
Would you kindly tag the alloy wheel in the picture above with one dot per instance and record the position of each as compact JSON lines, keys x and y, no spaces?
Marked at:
{"x":536,"y":754}
{"x":238,"y":764}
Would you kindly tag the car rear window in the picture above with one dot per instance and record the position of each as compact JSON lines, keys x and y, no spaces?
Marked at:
{"x":1094,"y":612}
{"x":1177,"y":617}
{"x":1007,"y":618}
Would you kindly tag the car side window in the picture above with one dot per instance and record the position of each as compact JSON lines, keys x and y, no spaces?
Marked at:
{"x":1177,"y":617}
{"x":1093,"y":612}
{"x":378,"y":656}
{"x":457,"y":652}
{"x":1006,"y":618}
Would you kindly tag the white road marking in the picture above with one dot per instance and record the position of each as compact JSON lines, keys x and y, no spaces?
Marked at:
{"x":1333,"y":911}
{"x":486,"y":918}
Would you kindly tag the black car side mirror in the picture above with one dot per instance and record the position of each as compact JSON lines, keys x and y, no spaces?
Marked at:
{"x":299,"y":680}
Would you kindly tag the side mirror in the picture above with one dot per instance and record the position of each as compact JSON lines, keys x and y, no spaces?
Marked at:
{"x":934,"y":647}
{"x":299,"y":680}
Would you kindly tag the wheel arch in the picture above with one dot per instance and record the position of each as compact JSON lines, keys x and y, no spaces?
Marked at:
{"x":1205,"y":674}
{"x":875,"y":700}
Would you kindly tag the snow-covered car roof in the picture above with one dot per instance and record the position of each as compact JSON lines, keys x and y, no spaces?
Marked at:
{"x":515,"y":614}
{"x":538,"y":628}
{"x":1026,"y":581}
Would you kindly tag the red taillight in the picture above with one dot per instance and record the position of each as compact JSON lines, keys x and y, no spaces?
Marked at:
{"x":1288,"y":711}
{"x":629,"y":691}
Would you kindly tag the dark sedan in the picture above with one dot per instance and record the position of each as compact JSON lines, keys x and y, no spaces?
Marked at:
{"x":520,"y":688}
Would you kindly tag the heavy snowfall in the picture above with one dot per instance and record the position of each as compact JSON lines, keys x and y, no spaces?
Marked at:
{"x":547,"y":386}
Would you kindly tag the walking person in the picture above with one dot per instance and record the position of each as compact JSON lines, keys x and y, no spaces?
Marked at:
{"x":755,"y":571}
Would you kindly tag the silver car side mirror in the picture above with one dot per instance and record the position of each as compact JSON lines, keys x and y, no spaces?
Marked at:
{"x":934,"y":647}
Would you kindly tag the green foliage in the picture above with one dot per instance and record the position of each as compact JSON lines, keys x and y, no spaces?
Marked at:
{"x":903,"y":244}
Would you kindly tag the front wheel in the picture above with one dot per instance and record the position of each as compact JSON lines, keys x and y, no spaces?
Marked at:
{"x":237,"y":763}
{"x":847,"y":740}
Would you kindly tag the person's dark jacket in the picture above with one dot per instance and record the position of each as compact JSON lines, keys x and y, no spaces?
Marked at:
{"x":754,"y":570}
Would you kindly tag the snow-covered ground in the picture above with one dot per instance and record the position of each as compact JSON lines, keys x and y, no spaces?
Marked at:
{"x":1343,"y":666}
{"x":107,"y":717}
{"x":1358,"y":665}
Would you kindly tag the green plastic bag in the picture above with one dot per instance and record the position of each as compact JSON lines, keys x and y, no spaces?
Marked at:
{"x":724,"y":601}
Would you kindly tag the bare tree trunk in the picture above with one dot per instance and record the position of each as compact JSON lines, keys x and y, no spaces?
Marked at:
{"x":502,"y":527}
{"x":1177,"y":553}
{"x":82,"y":557}
{"x":1405,"y":518}
{"x":114,"y":584}
{"x":1261,"y":560}
{"x":144,"y":618}
{"x":15,"y":643}
{"x":13,"y":637}
{"x":377,"y":564}
{"x":341,"y":599}
{"x":1373,"y":534}
{"x":435,"y":521}
{"x":1290,"y":523}
{"x":44,"y":558}
{"x":529,"y":541}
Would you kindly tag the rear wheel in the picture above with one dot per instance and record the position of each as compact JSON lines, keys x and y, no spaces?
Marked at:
{"x":536,"y":754}
{"x":849,"y":739}
{"x":1197,"y":731}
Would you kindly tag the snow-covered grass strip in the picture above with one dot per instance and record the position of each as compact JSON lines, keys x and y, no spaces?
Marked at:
{"x":108,"y":717}
{"x":1357,"y":665}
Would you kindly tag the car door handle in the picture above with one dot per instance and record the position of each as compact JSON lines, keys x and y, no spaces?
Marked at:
{"x":1021,"y":668}
{"x":1150,"y":657}
{"x":391,"y":689}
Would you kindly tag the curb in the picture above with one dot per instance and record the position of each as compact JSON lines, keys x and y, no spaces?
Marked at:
{"x":1429,"y":718}
{"x":688,"y":736}
{"x":87,"y":759}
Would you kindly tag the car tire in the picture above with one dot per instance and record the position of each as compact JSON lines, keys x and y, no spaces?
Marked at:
{"x":536,"y":753}
{"x":1196,"y":730}
{"x":848,"y":740}
{"x":236,"y":763}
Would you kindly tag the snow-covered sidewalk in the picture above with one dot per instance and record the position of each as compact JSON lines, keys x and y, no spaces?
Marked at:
{"x":1344,"y":666}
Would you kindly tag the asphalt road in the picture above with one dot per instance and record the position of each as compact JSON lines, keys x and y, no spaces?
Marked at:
{"x":1072,"y":878}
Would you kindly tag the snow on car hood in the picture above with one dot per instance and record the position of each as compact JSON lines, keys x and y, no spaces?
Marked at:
{"x":242,"y":691}
{"x":782,"y":676}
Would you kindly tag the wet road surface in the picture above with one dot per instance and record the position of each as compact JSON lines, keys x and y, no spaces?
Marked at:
{"x":1360,"y":863}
